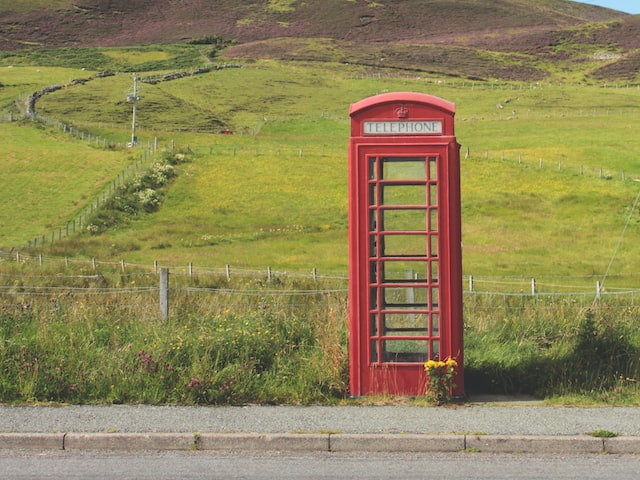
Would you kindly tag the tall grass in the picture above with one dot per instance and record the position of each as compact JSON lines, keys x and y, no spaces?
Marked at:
{"x":553,"y":347}
{"x":231,"y":344}
{"x":86,"y":336}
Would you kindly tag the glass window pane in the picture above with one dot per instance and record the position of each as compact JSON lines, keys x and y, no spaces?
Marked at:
{"x":373,"y":272}
{"x":435,"y":345}
{"x":433,"y":220}
{"x":435,"y":301}
{"x":433,"y":250}
{"x":406,"y":324}
{"x":406,"y":351}
{"x":372,"y":220}
{"x":374,"y":350}
{"x":433,"y":168}
{"x":435,"y":324}
{"x":404,"y":195}
{"x":373,"y":195}
{"x":404,"y":245}
{"x":404,"y":270}
{"x":374,"y":325}
{"x":404,"y":220}
{"x":373,"y":298}
{"x":404,"y":168}
{"x":372,"y":168}
{"x":433,"y":194}
{"x":401,"y":297}
{"x":434,"y":272}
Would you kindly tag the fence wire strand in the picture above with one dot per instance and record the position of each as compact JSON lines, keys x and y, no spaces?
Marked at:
{"x":615,"y":251}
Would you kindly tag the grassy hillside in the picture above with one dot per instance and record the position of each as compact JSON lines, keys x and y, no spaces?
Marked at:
{"x":47,"y":179}
{"x":137,"y":22}
{"x":505,"y":39}
{"x":543,"y":192}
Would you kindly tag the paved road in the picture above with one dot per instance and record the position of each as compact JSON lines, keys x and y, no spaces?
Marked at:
{"x":513,"y":418}
{"x":267,"y":466}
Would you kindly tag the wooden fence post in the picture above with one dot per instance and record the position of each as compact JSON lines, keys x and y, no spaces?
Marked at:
{"x":164,"y":293}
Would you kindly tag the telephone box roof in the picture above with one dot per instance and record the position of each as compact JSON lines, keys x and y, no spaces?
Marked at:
{"x":395,"y":97}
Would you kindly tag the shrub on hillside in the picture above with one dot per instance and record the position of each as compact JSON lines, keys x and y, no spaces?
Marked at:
{"x":143,"y":194}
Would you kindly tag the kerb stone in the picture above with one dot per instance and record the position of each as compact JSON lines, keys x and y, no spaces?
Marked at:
{"x":396,"y":443}
{"x":534,"y":444}
{"x":263,"y":441}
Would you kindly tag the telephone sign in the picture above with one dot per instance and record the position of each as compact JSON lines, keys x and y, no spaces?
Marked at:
{"x":425,"y":127}
{"x":404,"y":243}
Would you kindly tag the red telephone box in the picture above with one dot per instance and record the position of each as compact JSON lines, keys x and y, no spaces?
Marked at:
{"x":404,"y":243}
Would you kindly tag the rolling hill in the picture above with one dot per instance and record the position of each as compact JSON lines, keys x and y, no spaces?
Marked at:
{"x":508,"y":39}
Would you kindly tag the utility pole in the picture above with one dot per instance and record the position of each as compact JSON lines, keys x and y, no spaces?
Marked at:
{"x":133,"y":97}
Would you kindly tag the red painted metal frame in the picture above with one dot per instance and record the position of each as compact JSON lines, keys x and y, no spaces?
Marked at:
{"x":375,"y":377}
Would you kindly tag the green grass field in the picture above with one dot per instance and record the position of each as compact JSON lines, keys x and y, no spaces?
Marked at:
{"x":542,"y":189}
{"x":53,"y":177}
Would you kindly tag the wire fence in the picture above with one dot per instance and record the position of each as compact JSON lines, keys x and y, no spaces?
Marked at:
{"x":185,"y":302}
{"x":28,"y":280}
{"x":473,"y":84}
{"x":522,"y":160}
{"x":468,"y":153}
